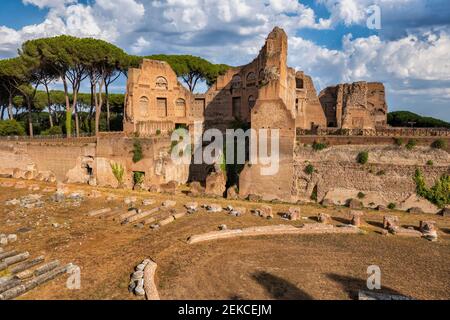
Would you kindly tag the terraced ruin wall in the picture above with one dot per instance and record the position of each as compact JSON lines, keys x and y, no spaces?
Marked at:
{"x":386,"y":178}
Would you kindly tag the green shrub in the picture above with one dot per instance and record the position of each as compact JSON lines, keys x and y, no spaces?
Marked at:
{"x":11,"y":128}
{"x":361,"y":195}
{"x":158,"y":132}
{"x":137,"y":151}
{"x":118,"y":171}
{"x":309,"y":169}
{"x":314,"y":194}
{"x":138,"y":177}
{"x":53,"y":131}
{"x":398,"y":141}
{"x":439,"y":194}
{"x":439,"y":144}
{"x":317,"y":146}
{"x":412,"y":143}
{"x":430,"y":163}
{"x":363,"y":157}
{"x":391,"y":206}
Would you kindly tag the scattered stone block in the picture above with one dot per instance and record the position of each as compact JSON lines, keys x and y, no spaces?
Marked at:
{"x":356,"y":217}
{"x":169,"y":204}
{"x":223,"y":227}
{"x":415,"y":210}
{"x":216,"y":184}
{"x":232,"y":193}
{"x":179,"y":215}
{"x":196,"y":189}
{"x":390,"y":222}
{"x":294,"y":213}
{"x":213,"y":208}
{"x":428,"y":229}
{"x":327,"y":203}
{"x":405,"y":232}
{"x":382,"y":208}
{"x":170,"y":187}
{"x":148,"y":202}
{"x":12,"y":238}
{"x":254,"y":197}
{"x":238,"y":211}
{"x":191,"y":206}
{"x":130,"y":200}
{"x":265,"y":212}
{"x":324,"y":218}
{"x":154,"y":188}
{"x":355,"y":204}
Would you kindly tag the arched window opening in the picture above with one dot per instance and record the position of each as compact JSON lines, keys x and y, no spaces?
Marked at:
{"x":144,"y":106}
{"x":161,"y":83}
{"x":251,"y":101}
{"x":251,"y":79}
{"x":236,"y":82}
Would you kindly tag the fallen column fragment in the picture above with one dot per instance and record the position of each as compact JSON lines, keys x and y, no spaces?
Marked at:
{"x":272,"y":230}
{"x":140,"y":216}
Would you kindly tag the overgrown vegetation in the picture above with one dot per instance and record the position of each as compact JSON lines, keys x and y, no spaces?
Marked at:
{"x":309,"y":169}
{"x":138,"y":178}
{"x":398,"y":141}
{"x":318,"y":146}
{"x":11,"y":128}
{"x":412,"y":143}
{"x":430,"y":163}
{"x":439,"y":144}
{"x":314,"y":194}
{"x":137,"y":151}
{"x":361,"y":195}
{"x":118,"y":172}
{"x":363,"y":157}
{"x":406,"y":119}
{"x":392,"y":206}
{"x":439,"y":194}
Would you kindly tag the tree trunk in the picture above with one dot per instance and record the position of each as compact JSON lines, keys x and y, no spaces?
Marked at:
{"x":91,"y":109}
{"x":74,"y":107}
{"x":10,"y":107}
{"x":108,"y":115}
{"x":30,"y":120}
{"x":68,"y":110}
{"x":98,"y":107}
{"x":49,"y":101}
{"x":2,"y":113}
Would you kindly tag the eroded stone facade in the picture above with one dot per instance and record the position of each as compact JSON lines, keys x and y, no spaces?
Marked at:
{"x":359,"y":105}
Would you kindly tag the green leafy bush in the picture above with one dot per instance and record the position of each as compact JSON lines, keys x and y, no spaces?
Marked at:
{"x":158,"y":132}
{"x":430,"y":163}
{"x":11,"y":128}
{"x":138,"y":178}
{"x":439,"y":144}
{"x":318,"y":146}
{"x":439,"y":194}
{"x":309,"y":169}
{"x":361,"y":195}
{"x":363,"y":157}
{"x":118,"y":171}
{"x":137,"y":151}
{"x":53,"y":131}
{"x":398,"y":141}
{"x":391,"y":206}
{"x":412,"y":143}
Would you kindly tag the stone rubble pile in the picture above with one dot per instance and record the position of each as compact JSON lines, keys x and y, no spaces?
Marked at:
{"x":136,"y":285}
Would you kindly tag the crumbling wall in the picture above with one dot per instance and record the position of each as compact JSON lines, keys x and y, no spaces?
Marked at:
{"x":386,"y":178}
{"x":359,"y":105}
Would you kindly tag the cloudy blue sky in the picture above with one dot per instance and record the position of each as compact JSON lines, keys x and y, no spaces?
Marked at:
{"x":328,"y":39}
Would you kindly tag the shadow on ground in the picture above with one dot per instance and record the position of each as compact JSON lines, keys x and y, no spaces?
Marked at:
{"x":352,"y":285}
{"x":279,"y":288}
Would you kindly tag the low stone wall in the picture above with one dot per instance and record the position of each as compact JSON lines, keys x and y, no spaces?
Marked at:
{"x":386,"y":178}
{"x":381,"y":132}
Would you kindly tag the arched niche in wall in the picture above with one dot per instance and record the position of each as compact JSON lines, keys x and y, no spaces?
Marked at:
{"x":236,"y":81}
{"x":180,"y":108}
{"x":251,"y":79}
{"x":161,"y":83}
{"x":251,"y":101}
{"x":144,"y":106}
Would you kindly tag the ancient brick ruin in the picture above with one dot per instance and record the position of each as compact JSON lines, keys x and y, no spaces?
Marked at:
{"x":264,"y":94}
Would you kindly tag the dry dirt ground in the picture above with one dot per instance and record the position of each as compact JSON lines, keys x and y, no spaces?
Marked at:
{"x":271,"y":267}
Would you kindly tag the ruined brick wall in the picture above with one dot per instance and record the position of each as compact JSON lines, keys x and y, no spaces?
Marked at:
{"x":155,"y":100}
{"x":58,"y":158}
{"x":358,"y":105}
{"x":90,"y":162}
{"x":388,"y":176}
